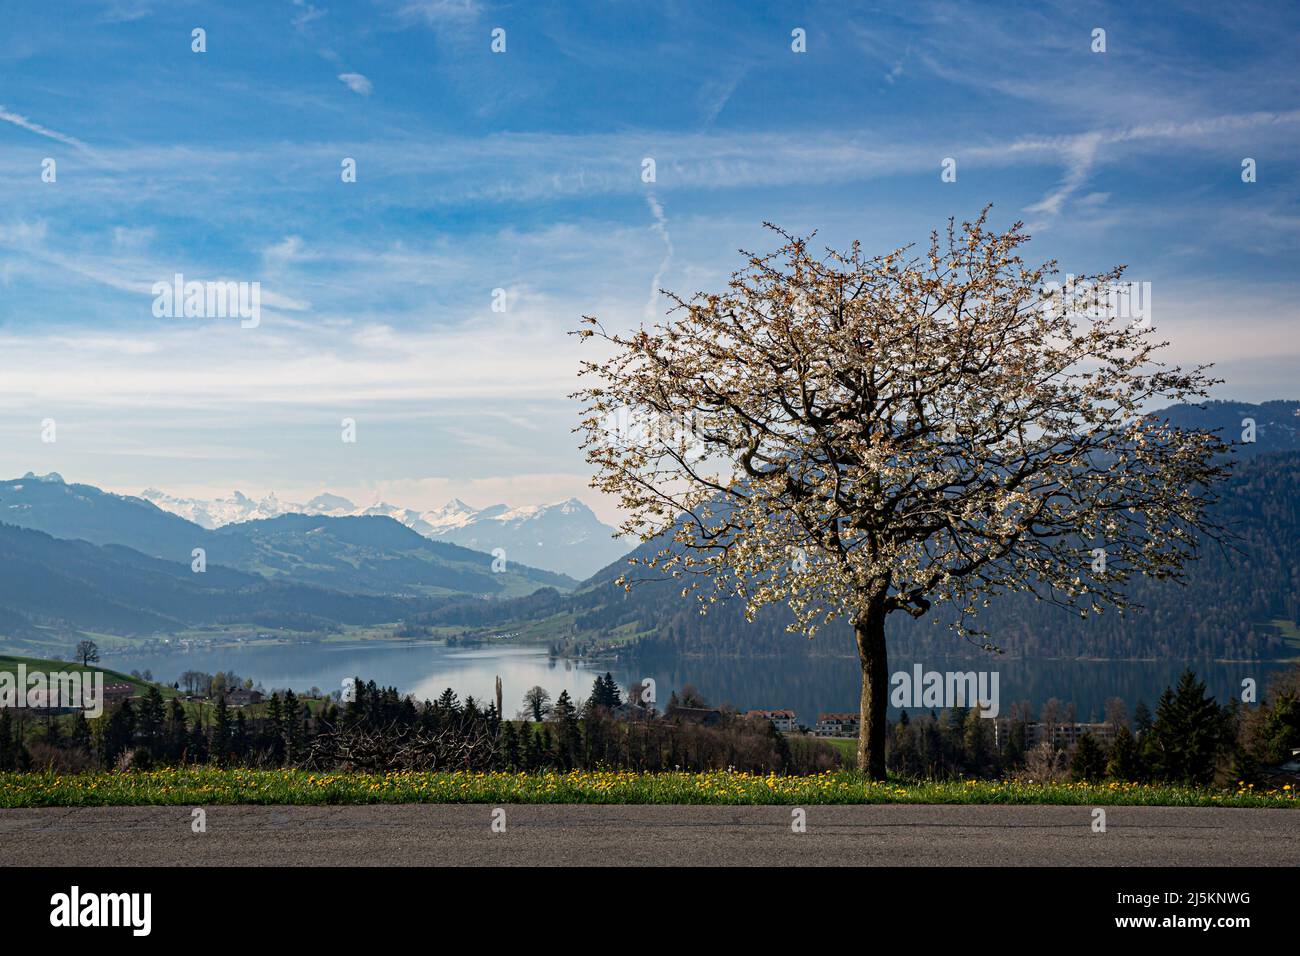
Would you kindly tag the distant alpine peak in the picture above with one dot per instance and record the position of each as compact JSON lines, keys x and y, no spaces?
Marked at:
{"x":455,"y":513}
{"x":567,"y":507}
{"x":564,"y":536}
{"x":53,"y":478}
{"x":328,"y":502}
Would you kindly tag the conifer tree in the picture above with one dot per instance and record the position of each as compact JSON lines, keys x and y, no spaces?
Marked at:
{"x":1088,"y":762}
{"x":176,"y":733}
{"x":1186,"y":735}
{"x":196,"y":744}
{"x":545,"y":746}
{"x":1125,"y":763}
{"x":119,"y":733}
{"x":470,"y":712}
{"x":1141,"y":719}
{"x":151,"y":721}
{"x":568,"y":736}
{"x":449,"y":704}
{"x":291,"y":727}
{"x":274,"y":732}
{"x":221,"y":732}
{"x":978,"y":745}
{"x":509,"y":745}
{"x":53,"y":736}
{"x":1281,"y":732}
{"x":533,"y":756}
{"x":613,"y":696}
{"x":79,"y":734}
{"x":239,"y":737}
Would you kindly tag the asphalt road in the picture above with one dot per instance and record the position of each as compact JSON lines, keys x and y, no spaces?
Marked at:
{"x":431,"y":835}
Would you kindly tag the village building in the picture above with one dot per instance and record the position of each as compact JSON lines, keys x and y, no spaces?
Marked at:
{"x":782,"y":720}
{"x":242,"y":697}
{"x":116,"y":693}
{"x":836,"y":725}
{"x":708,"y":716}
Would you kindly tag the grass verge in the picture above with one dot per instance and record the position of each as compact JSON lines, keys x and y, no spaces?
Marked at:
{"x":191,"y":786}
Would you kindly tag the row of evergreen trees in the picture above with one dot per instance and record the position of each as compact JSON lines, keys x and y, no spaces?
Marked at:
{"x":1189,"y":739}
{"x":152,"y":730}
{"x":586,"y":734}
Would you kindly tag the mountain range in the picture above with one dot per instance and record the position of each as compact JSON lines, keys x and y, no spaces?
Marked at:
{"x":51,"y":587}
{"x":1276,"y":424}
{"x":565,"y":537}
{"x":77,"y":559}
{"x":366,"y":554}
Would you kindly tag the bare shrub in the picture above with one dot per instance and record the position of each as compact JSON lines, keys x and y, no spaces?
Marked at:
{"x":72,"y":760}
{"x":1043,"y":764}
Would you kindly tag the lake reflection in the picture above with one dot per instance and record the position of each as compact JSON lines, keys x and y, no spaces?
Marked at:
{"x":832,"y":684}
{"x":807,"y":686}
{"x":425,"y":670}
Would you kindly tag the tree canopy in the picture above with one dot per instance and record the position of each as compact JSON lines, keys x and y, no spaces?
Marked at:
{"x":854,"y":435}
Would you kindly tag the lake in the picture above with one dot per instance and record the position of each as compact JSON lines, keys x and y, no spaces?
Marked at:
{"x":807,"y":686}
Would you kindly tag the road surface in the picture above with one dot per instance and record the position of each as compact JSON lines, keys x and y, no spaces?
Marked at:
{"x":430,"y":835}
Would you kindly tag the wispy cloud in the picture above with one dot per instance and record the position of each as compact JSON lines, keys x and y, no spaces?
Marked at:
{"x":309,"y":13}
{"x":357,"y":83}
{"x":126,"y":11}
{"x":23,"y":122}
{"x":287,"y":249}
{"x":716,"y":92}
{"x":660,"y":227}
{"x":438,"y":13}
{"x":523,"y":173}
{"x":1079,"y":154}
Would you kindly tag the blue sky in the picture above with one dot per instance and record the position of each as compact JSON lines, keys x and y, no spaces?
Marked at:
{"x":521,"y":171}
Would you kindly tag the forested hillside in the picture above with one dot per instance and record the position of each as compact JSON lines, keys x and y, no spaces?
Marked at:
{"x":48,"y":585}
{"x":365,"y":554}
{"x":1238,"y":602}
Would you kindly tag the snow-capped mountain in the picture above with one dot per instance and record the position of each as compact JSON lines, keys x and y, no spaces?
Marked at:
{"x":239,"y":507}
{"x":565,"y":536}
{"x":455,"y":514}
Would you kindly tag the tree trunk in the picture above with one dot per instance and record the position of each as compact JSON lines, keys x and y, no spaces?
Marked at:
{"x":870,"y":632}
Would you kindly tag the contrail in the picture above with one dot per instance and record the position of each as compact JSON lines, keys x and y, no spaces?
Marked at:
{"x":39,"y":130}
{"x":660,"y":226}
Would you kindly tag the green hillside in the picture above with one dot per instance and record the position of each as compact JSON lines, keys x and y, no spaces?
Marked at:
{"x":53,"y":591}
{"x":10,"y":662}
